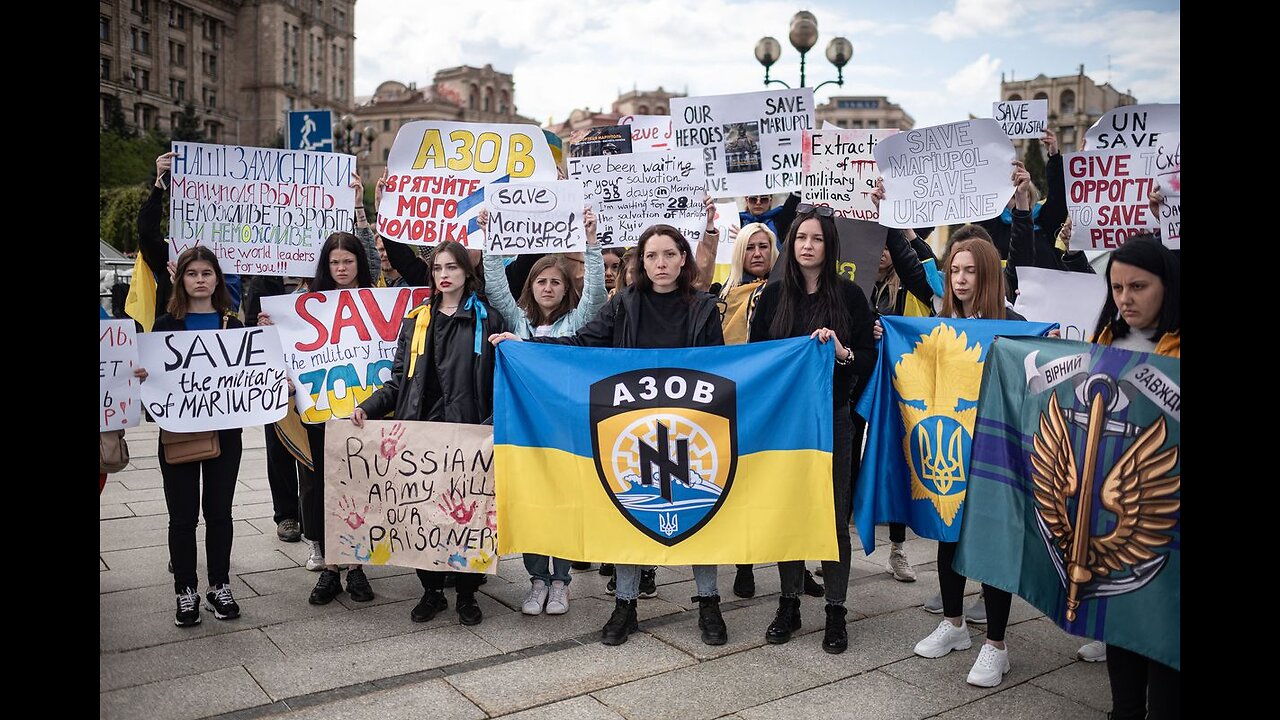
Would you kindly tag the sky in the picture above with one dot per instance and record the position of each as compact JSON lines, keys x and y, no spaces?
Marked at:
{"x":939,"y":60}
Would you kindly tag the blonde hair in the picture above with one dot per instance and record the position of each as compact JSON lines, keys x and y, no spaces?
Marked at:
{"x":988,"y":295}
{"x":740,"y":243}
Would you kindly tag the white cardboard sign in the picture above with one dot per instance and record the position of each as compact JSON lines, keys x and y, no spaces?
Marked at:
{"x":1071,"y":299}
{"x":1133,"y":127}
{"x":529,"y":217}
{"x":840,"y":170}
{"x":631,"y":192}
{"x":1022,"y":119}
{"x":119,"y":399}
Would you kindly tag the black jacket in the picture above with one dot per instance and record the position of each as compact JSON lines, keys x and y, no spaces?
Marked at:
{"x":152,"y":245}
{"x":456,"y":397}
{"x":909,"y":267}
{"x":618,"y":322}
{"x":167,"y":323}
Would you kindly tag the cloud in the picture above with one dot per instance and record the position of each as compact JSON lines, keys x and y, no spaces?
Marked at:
{"x":1150,"y":68}
{"x":979,"y":18}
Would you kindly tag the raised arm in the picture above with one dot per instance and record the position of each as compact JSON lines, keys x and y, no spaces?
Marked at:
{"x":496,"y":288}
{"x":705,"y":256}
{"x":593,"y":291}
{"x":364,"y":233}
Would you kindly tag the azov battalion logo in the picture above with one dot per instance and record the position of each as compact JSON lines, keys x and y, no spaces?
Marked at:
{"x":665,"y":442}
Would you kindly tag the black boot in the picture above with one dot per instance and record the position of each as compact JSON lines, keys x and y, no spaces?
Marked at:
{"x":744,"y":586}
{"x":621,"y":623}
{"x":836,"y":639}
{"x":432,"y":602}
{"x":710,"y":621}
{"x":812,"y":587}
{"x":469,"y":612}
{"x":785,"y":622}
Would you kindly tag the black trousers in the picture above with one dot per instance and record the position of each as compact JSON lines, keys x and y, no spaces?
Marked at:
{"x":952,"y":583}
{"x":282,"y":476}
{"x":311,"y":488}
{"x":183,"y":495}
{"x":835,"y":574}
{"x":1141,"y":687}
{"x":897,"y":531}
{"x":465,"y":583}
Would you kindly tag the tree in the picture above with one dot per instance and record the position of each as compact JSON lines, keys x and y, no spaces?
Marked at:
{"x":1034,"y":160}
{"x":127,"y":160}
{"x":115,"y":122}
{"x":118,"y":221}
{"x":188,"y":127}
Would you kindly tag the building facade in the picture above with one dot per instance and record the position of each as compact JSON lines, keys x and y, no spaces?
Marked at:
{"x":634,"y":102}
{"x":241,"y":64}
{"x":1075,"y":103}
{"x":862,"y":111}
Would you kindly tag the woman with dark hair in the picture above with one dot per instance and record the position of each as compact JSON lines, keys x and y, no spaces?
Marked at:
{"x":548,"y":306}
{"x":661,"y":310}
{"x":812,"y":299}
{"x":443,"y":372}
{"x":200,"y":301}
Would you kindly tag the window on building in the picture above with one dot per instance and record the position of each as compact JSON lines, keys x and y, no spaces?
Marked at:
{"x":177,"y":16}
{"x":105,"y":102}
{"x":142,"y":7}
{"x":473,"y":101}
{"x":488,"y":99}
{"x":342,"y":89}
{"x":873,"y":123}
{"x":177,"y":54}
{"x":104,"y":29}
{"x":1067,"y":103}
{"x":144,"y":116}
{"x":339,"y":17}
{"x":385,"y":153}
{"x":140,"y":41}
{"x":178,"y":89}
{"x":1067,"y":137}
{"x":386,"y":125}
{"x":1015,"y":98}
{"x":318,"y":8}
{"x":1042,"y":95}
{"x":209,"y":29}
{"x":213,"y":131}
{"x":104,"y":68}
{"x":855,"y":123}
{"x":141,"y":78}
{"x":210,"y":98}
{"x":643,"y":110}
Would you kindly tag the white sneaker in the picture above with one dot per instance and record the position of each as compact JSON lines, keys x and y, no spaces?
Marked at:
{"x":989,"y":669}
{"x":534,"y":600}
{"x":558,"y":602}
{"x":944,"y":639}
{"x":316,"y":561}
{"x":1095,"y":651}
{"x":899,"y":567}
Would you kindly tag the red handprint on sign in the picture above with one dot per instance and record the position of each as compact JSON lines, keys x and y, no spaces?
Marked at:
{"x":347,"y":512}
{"x":391,"y":440}
{"x":491,"y":518}
{"x":459,"y":511}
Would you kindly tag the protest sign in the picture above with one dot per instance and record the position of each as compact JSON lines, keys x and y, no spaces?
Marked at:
{"x":1022,"y":119}
{"x":542,"y":217}
{"x":726,"y":215}
{"x":1107,"y":196}
{"x":1168,"y":167}
{"x":1071,"y":299}
{"x":436,"y":169}
{"x":213,"y":379}
{"x":339,"y":345}
{"x":1133,"y":127}
{"x":840,"y":170}
{"x":412,"y":494}
{"x":603,"y":140}
{"x":945,"y":174}
{"x":648,"y":132}
{"x":631,"y":192}
{"x":119,"y":401}
{"x":263,"y":211}
{"x":750,"y":142}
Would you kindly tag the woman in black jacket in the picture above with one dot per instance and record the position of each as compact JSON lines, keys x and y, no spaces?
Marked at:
{"x":812,"y":299}
{"x":661,"y":310}
{"x":200,"y":301}
{"x":443,"y":372}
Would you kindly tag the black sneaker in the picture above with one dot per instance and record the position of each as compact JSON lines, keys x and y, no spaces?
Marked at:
{"x":188,"y":608}
{"x":710,"y":621}
{"x":812,"y":587}
{"x":606,"y":568}
{"x":358,"y":585}
{"x":432,"y":602}
{"x":785,"y":622}
{"x":469,"y":610}
{"x":621,"y":623}
{"x":836,"y":638}
{"x":612,"y":586}
{"x":327,"y":587}
{"x":579,"y":565}
{"x":649,"y":583}
{"x":744,"y":586}
{"x":220,"y":602}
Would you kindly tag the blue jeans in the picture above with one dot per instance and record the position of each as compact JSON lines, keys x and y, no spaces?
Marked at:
{"x":546,"y":569}
{"x":628,"y":577}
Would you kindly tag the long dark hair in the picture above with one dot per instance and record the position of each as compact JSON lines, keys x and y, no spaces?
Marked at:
{"x":178,"y":299}
{"x":688,"y":273}
{"x":1146,"y":252}
{"x":830,"y":310}
{"x":341,"y":241}
{"x":536,"y":314}
{"x":471,"y":282}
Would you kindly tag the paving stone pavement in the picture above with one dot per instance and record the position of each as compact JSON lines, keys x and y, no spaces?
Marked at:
{"x":285,"y":658}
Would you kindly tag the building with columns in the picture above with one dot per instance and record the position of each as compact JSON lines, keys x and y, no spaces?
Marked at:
{"x":1075,"y":103}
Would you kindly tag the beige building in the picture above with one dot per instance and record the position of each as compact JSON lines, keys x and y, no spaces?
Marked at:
{"x":1075,"y":103}
{"x":460,"y":94}
{"x":635,"y":102}
{"x":243,"y":64}
{"x":863,"y":111}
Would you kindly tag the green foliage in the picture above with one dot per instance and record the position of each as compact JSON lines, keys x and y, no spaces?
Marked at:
{"x":1034,"y":160}
{"x":118,"y":215}
{"x":115,"y":122}
{"x":188,"y":127}
{"x":125,"y":160}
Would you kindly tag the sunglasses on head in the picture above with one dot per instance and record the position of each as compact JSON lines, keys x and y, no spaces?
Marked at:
{"x":819,"y":210}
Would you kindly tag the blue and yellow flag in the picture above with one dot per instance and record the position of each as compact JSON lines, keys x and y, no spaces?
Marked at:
{"x":1075,"y":489}
{"x":665,"y":457}
{"x":920,"y":406}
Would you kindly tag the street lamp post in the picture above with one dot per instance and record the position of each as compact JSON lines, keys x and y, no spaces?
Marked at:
{"x":803,"y":36}
{"x":352,"y":140}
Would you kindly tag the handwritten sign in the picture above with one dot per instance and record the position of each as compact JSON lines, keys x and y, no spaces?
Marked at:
{"x":1022,"y":119}
{"x":1133,"y":127}
{"x":945,"y":174}
{"x":262,"y":211}
{"x":1071,"y":299}
{"x":1107,"y":196}
{"x":412,"y":494}
{"x":213,"y":379}
{"x":726,"y":215}
{"x":119,"y":401}
{"x":631,"y":192}
{"x":603,"y":140}
{"x":648,"y":132}
{"x":840,"y":170}
{"x":339,"y":345}
{"x":750,"y":142}
{"x":436,"y":169}
{"x":1168,"y":167}
{"x":543,"y":217}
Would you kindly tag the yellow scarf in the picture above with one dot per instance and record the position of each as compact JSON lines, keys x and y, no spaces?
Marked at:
{"x":422,"y":321}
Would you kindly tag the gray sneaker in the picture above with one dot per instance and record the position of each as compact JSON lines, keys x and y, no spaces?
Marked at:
{"x":934,"y":604}
{"x":977,"y":612}
{"x":899,"y":567}
{"x":289,"y":530}
{"x":316,"y":561}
